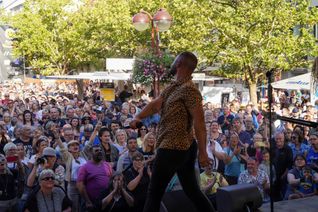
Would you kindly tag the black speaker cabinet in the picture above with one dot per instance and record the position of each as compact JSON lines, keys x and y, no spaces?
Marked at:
{"x":237,"y":198}
{"x":176,"y":201}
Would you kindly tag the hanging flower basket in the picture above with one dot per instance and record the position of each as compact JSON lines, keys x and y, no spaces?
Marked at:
{"x":149,"y":65}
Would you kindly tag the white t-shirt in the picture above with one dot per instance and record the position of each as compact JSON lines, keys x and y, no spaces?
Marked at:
{"x":76,"y":164}
{"x":32,"y":159}
{"x":218,"y":148}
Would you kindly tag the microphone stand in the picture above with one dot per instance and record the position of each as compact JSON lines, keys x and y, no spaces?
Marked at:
{"x":271,"y":149}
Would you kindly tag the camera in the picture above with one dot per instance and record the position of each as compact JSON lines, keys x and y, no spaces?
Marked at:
{"x":41,"y":160}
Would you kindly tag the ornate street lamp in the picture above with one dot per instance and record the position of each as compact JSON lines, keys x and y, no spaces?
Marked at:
{"x":160,"y":22}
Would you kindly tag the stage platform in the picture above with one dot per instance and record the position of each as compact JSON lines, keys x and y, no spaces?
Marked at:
{"x":309,"y":204}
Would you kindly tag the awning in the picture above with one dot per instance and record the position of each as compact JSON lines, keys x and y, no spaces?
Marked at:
{"x":204,"y":77}
{"x":95,"y":76}
{"x":300,"y":82}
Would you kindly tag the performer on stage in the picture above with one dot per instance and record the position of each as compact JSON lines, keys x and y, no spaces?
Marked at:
{"x":180,"y":107}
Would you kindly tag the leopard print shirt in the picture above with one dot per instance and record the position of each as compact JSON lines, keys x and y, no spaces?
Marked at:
{"x":175,"y":126}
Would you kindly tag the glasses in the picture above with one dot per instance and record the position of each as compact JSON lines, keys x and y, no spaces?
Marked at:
{"x":68,"y":135}
{"x":2,"y":164}
{"x":294,"y":137}
{"x":138,"y":159}
{"x":143,"y":129}
{"x":48,"y":178}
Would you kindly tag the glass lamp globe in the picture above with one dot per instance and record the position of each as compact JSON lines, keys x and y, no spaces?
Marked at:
{"x":162,"y":20}
{"x":141,"y":21}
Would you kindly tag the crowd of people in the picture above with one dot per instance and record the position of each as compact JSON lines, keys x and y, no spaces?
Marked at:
{"x":62,"y":153}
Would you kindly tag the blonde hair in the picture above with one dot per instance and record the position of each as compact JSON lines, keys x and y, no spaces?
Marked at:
{"x":145,"y":146}
{"x":121,"y":131}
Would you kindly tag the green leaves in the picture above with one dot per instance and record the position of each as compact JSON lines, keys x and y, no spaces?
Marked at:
{"x":148,"y":66}
{"x":246,"y":37}
{"x":258,"y":35}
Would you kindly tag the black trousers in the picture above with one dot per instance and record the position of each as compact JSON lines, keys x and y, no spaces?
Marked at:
{"x":166,"y":164}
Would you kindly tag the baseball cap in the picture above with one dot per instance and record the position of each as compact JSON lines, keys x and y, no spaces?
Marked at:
{"x":49,"y":151}
{"x":72,"y":142}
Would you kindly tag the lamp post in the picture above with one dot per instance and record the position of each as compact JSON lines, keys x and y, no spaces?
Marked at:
{"x":160,"y":22}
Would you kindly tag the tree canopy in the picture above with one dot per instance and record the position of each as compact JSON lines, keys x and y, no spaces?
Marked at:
{"x":247,"y":38}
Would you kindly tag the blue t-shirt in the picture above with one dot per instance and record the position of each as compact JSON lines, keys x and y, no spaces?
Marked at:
{"x":303,"y":148}
{"x":245,"y":137}
{"x":235,"y":166}
{"x":312,"y":157}
{"x":306,"y":185}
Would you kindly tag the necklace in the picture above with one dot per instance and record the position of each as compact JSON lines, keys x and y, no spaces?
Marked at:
{"x":46,"y":205}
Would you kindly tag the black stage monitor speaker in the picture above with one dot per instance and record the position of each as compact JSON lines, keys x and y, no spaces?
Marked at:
{"x":176,"y":201}
{"x":236,"y":198}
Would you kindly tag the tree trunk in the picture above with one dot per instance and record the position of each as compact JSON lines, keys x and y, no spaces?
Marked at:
{"x":80,"y":88}
{"x":253,"y":92}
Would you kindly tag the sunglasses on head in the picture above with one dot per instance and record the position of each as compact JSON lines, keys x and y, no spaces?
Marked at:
{"x":48,"y":178}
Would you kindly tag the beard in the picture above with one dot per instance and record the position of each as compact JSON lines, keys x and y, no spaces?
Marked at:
{"x":98,"y":157}
{"x":173,"y":70}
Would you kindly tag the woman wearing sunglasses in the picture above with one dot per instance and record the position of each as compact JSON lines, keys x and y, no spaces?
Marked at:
{"x":297,"y":145}
{"x":48,"y":197}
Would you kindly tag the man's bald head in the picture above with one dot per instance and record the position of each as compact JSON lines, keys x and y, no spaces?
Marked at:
{"x":188,"y":60}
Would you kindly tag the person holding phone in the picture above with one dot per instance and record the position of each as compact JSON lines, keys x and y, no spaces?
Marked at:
{"x":234,"y":160}
{"x":10,"y":151}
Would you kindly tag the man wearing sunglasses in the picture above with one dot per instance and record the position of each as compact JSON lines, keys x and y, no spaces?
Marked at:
{"x":48,"y":197}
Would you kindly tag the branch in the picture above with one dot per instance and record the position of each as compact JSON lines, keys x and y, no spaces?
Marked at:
{"x":271,"y":30}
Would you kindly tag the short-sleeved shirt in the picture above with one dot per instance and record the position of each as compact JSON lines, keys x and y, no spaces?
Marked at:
{"x":95,"y":178}
{"x":302,"y":150}
{"x":219,"y":149}
{"x":235,"y":166}
{"x":205,"y":180}
{"x":312,"y":157}
{"x":245,"y":137}
{"x":261,"y":178}
{"x":306,"y":186}
{"x":175,"y":126}
{"x":58,"y":200}
{"x":27,"y":147}
{"x":140,"y":192}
